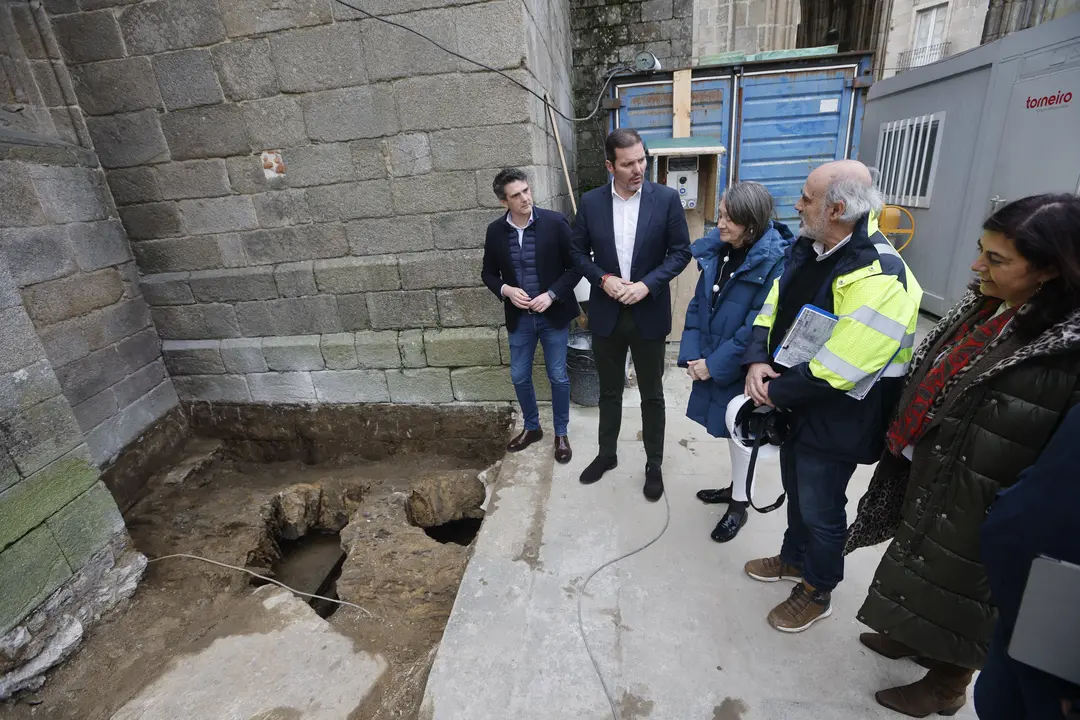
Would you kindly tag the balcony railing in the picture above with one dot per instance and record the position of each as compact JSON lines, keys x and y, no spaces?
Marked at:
{"x":922,"y":56}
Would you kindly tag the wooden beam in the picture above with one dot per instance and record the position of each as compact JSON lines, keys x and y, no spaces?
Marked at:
{"x":682,"y":287}
{"x":562,"y":155}
{"x":681,"y":104}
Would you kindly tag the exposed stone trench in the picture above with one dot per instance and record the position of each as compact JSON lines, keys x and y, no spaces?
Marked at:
{"x":244,"y":513}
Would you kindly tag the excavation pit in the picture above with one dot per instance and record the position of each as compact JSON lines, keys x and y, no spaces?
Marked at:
{"x":312,"y":565}
{"x":306,"y":513}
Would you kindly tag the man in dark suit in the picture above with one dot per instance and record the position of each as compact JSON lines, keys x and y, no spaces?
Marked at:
{"x":527,"y":264}
{"x":630,"y":241}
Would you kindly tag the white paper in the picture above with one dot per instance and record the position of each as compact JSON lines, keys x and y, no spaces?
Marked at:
{"x":806,"y":336}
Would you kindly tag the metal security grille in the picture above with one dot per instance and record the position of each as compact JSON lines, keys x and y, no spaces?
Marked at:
{"x":908,"y":152}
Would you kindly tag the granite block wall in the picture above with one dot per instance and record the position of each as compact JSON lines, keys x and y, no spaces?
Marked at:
{"x":389,"y":146}
{"x":747,"y":26}
{"x":71,"y":260}
{"x":607,"y":34}
{"x":38,"y":99}
{"x":64,"y":550}
{"x":68,"y":252}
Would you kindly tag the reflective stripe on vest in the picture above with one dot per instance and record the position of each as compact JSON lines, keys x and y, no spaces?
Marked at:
{"x":874,"y":320}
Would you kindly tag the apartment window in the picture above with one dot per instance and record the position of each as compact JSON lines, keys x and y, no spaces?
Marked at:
{"x":929,"y":44}
{"x":907,"y":157}
{"x":930,"y":26}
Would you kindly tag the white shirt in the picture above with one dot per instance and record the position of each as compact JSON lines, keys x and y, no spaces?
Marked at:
{"x":625,"y":217}
{"x":520,"y":230}
{"x":822,"y":253}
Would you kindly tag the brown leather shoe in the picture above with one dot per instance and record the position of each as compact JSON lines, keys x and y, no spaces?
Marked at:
{"x":943,"y":691}
{"x":563,"y":453}
{"x":524,"y":440}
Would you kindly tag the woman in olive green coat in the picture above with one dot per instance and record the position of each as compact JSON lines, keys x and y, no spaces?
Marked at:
{"x":985,"y":392}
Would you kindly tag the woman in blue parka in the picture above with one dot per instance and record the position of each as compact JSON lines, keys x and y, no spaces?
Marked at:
{"x":739,"y":260}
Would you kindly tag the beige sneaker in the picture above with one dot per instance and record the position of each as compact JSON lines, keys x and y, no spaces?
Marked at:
{"x":772,"y":569}
{"x":804,"y":607}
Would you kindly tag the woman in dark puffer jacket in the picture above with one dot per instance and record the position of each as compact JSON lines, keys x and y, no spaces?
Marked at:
{"x":986,"y":390}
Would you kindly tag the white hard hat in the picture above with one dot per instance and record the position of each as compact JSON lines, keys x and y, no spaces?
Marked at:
{"x":766,"y":449}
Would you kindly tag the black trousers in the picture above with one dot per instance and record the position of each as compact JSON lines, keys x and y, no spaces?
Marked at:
{"x":648,"y":357}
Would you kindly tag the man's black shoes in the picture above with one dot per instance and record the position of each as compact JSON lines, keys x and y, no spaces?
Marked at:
{"x":654,"y":483}
{"x":597,"y":468}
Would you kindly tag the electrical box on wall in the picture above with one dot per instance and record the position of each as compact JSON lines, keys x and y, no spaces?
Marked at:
{"x":682,"y":176}
{"x":691,"y":167}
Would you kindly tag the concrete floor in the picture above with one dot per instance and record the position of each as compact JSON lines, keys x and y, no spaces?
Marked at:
{"x":679,"y":630}
{"x":272,"y":658}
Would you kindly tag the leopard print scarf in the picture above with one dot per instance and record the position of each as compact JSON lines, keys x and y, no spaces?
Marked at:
{"x":881,"y":506}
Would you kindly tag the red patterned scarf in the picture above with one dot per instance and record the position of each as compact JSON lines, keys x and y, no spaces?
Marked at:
{"x":969,"y":341}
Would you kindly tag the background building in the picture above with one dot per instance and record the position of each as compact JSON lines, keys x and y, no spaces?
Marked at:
{"x":920,"y":32}
{"x":958,"y":139}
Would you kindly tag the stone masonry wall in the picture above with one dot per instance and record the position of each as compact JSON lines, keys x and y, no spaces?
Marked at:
{"x":607,"y":34}
{"x":74,"y":331}
{"x":548,"y":57}
{"x":748,"y":26}
{"x":355,"y":277}
{"x":63,"y":546}
{"x":37,"y":97}
{"x":62,"y":239}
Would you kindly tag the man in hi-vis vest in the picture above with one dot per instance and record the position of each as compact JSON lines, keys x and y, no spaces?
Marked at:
{"x":843,"y":265}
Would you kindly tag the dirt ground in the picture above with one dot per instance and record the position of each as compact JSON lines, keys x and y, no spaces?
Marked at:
{"x":406,"y":579}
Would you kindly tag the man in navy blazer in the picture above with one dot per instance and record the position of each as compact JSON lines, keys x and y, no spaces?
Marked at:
{"x":630,"y":241}
{"x":527,"y":264}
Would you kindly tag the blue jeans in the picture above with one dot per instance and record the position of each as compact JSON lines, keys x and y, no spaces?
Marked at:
{"x":1010,"y":690}
{"x":816,"y":488}
{"x":522,"y":349}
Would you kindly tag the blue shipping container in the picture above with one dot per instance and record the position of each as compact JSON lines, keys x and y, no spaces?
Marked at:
{"x":778,"y":120}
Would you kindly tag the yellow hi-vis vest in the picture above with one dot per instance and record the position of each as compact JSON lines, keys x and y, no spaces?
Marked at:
{"x":876,"y":327}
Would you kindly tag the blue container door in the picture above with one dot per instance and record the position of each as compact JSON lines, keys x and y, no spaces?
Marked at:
{"x":647,"y":108}
{"x":790,"y":122}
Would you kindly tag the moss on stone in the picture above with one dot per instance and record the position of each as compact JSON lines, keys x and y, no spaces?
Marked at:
{"x":86,"y":524}
{"x":38,"y":497}
{"x":30,"y":570}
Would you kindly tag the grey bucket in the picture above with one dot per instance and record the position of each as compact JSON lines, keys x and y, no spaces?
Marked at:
{"x":584,"y":380}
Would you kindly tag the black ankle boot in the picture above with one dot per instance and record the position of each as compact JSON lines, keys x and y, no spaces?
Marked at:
{"x":729,"y":525}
